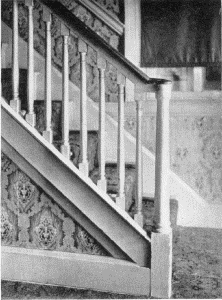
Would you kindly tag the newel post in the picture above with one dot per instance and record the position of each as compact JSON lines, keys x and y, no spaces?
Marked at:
{"x":161,"y":238}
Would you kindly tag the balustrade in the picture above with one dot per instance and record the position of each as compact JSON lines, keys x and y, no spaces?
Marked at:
{"x":139,"y":83}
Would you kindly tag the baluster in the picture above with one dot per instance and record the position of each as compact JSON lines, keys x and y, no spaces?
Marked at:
{"x":83,"y":166}
{"x":47,"y":134}
{"x":102,"y":183}
{"x":65,"y":148}
{"x":30,"y":116}
{"x":15,"y":103}
{"x":120,"y":199}
{"x":138,"y":217}
{"x":161,"y":237}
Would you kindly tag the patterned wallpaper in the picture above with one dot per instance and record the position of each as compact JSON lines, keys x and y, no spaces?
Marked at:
{"x":74,"y":58}
{"x":31,"y":219}
{"x":195,"y":150}
{"x":87,"y":17}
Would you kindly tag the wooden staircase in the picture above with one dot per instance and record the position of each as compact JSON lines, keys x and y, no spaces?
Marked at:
{"x":71,"y":189}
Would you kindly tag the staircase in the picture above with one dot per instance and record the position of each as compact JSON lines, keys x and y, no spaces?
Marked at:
{"x":65,"y":222}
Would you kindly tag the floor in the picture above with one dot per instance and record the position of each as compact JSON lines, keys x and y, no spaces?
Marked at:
{"x":197,"y":271}
{"x":197,"y":263}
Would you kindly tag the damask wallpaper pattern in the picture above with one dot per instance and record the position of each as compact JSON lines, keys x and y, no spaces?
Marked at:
{"x":74,"y":58}
{"x":195,"y":150}
{"x":93,"y":22}
{"x":31,"y":219}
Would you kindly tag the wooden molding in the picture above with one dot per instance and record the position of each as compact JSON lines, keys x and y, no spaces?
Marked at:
{"x":74,"y":270}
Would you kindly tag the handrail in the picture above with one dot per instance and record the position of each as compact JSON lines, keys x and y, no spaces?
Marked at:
{"x":128,"y":69}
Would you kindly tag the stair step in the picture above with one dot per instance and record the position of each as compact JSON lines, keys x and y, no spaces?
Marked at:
{"x":112,"y":181}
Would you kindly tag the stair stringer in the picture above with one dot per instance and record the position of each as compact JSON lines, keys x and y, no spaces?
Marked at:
{"x":112,"y":227}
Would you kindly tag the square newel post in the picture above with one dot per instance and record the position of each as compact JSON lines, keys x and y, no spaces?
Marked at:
{"x":161,"y":238}
{"x":15,"y":103}
{"x":84,"y":165}
{"x":65,"y":147}
{"x":102,"y":183}
{"x":30,"y":116}
{"x":47,"y":133}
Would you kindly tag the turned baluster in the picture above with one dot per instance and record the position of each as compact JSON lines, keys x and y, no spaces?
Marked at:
{"x":65,"y":148}
{"x":83,"y":166}
{"x":138,"y":217}
{"x":30,"y":116}
{"x":48,"y":77}
{"x":15,"y":103}
{"x":102,"y":183}
{"x":120,"y":199}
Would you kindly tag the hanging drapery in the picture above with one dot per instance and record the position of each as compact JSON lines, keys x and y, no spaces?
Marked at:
{"x":177,"y":33}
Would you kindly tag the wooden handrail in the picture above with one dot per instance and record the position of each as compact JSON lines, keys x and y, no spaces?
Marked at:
{"x":80,"y":30}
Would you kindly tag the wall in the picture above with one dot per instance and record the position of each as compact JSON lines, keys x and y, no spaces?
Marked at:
{"x":32,"y":219}
{"x":195,"y":138}
{"x":39,"y":46}
{"x":184,"y":79}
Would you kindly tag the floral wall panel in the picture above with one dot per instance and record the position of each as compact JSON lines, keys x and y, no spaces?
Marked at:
{"x":96,"y":24}
{"x":31,"y":219}
{"x":195,"y":150}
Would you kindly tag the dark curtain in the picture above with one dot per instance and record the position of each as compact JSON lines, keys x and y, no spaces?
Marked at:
{"x":180,"y":33}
